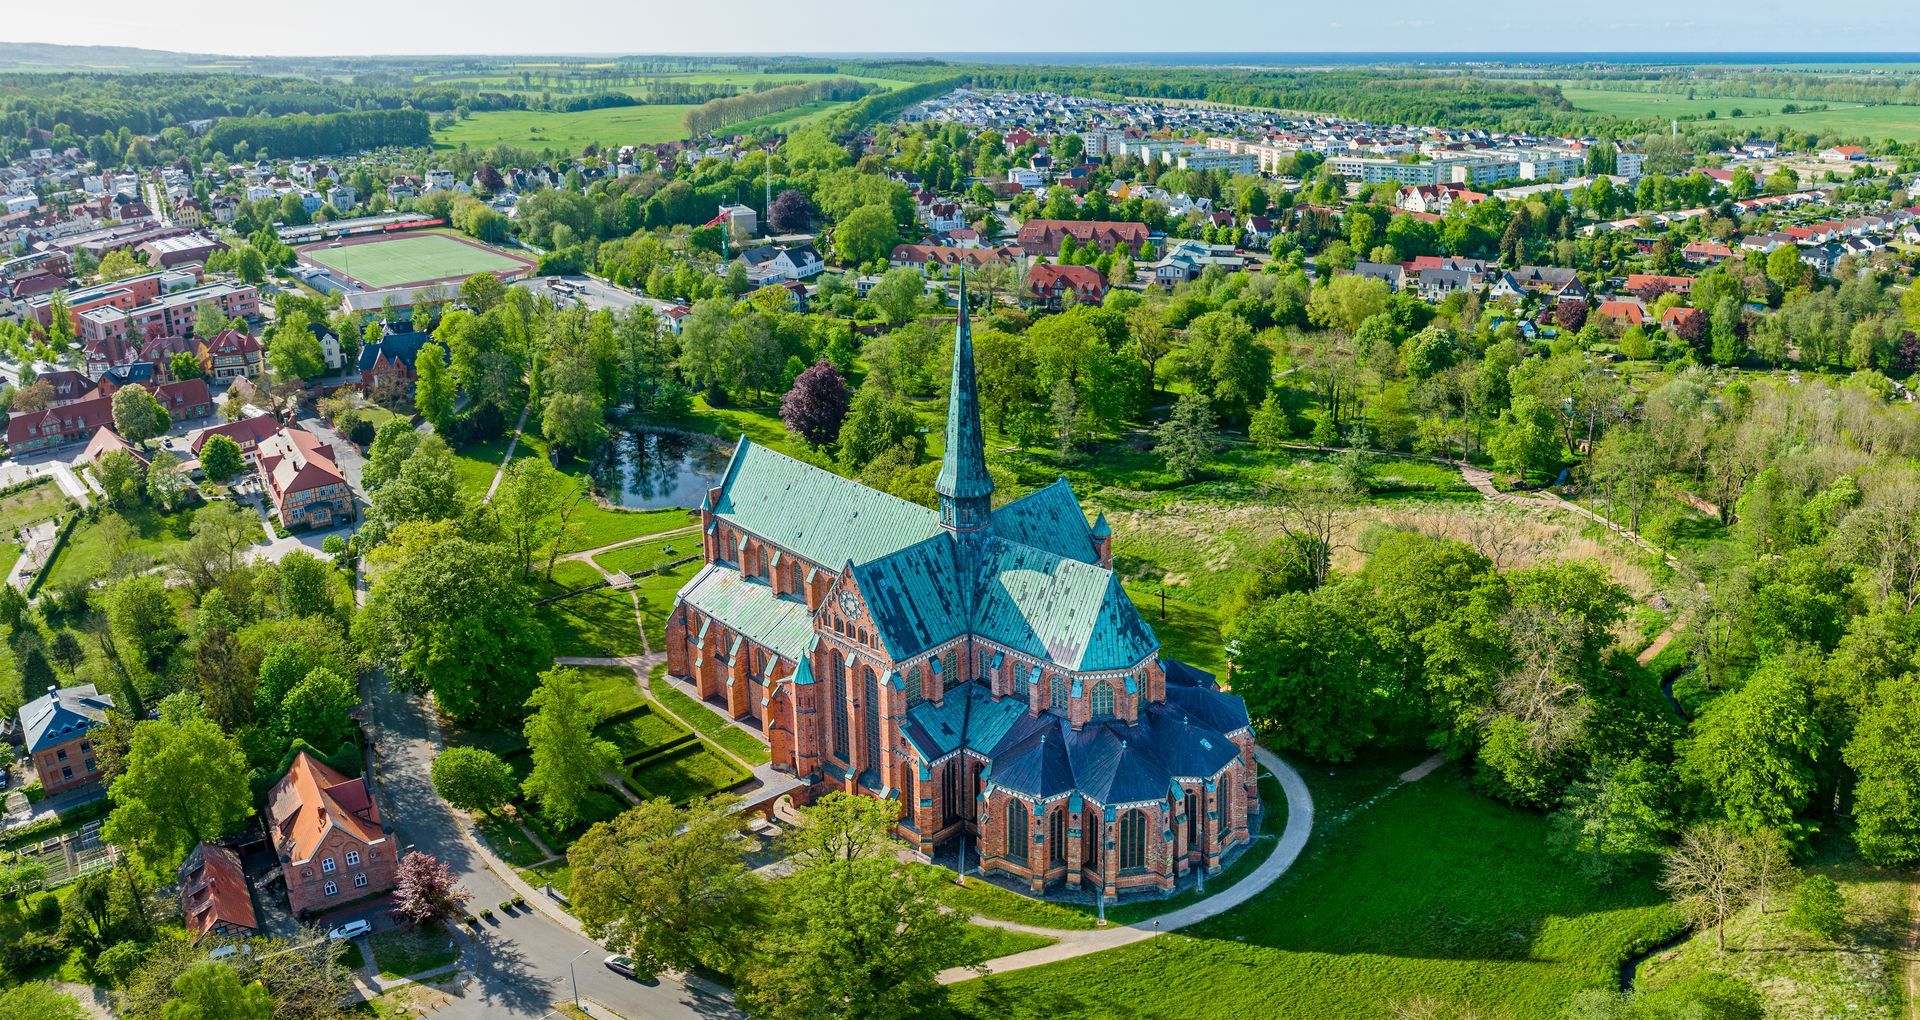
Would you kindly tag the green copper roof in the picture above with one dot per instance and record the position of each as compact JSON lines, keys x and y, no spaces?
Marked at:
{"x":912,"y":597}
{"x":963,"y":470}
{"x":1061,"y":610}
{"x":750,"y":609}
{"x":1048,"y":518}
{"x":821,"y":516}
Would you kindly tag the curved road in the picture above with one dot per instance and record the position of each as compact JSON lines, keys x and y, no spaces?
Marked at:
{"x":1074,"y":943}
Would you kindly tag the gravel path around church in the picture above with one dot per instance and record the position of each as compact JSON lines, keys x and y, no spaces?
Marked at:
{"x":1079,"y":943}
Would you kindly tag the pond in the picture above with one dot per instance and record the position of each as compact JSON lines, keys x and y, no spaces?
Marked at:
{"x":643,"y":469}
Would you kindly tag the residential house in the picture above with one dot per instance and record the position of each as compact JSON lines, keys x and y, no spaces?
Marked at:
{"x":1043,"y":237}
{"x":1623,"y":311}
{"x":386,"y":365}
{"x":778,"y":263}
{"x":247,"y":432}
{"x":214,"y":898}
{"x":186,"y":399}
{"x":1048,"y":286}
{"x":934,"y":259}
{"x":1436,"y":284}
{"x":56,"y":727}
{"x":1652,"y":284}
{"x":230,"y":354}
{"x":1186,"y":260}
{"x":36,"y":431}
{"x":298,"y":471}
{"x":69,"y":386}
{"x":674,"y":317}
{"x":1705,"y":253}
{"x":1389,"y":273}
{"x":106,"y":441}
{"x":327,"y":832}
{"x":1683,"y":321}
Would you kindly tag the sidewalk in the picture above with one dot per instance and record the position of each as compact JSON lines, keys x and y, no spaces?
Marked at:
{"x":1075,"y":943}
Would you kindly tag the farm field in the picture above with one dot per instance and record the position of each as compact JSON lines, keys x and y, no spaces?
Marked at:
{"x":1900,"y":122}
{"x":416,"y":258}
{"x":1432,"y":891}
{"x":511,"y":82}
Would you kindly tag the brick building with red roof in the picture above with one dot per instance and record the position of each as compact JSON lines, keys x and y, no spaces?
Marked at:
{"x":327,"y":833}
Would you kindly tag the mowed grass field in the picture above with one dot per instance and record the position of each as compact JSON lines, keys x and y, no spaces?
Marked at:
{"x":415,"y":258}
{"x":539,"y":129}
{"x":1430,"y":891}
{"x":1899,"y":122}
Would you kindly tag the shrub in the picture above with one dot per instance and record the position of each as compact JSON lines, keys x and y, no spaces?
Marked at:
{"x":29,"y":952}
{"x":1818,"y":908}
{"x":118,"y":961}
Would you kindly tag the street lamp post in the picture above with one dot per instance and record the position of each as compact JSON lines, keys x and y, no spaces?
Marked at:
{"x":574,"y":978}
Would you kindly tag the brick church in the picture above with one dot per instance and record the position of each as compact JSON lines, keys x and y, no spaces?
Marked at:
{"x":979,"y":665}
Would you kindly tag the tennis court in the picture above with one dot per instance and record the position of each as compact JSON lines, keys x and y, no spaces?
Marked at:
{"x":410,"y":259}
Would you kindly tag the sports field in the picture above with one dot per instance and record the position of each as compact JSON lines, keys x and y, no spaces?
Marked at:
{"x":410,"y":259}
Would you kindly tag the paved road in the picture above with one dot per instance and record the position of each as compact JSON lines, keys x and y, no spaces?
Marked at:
{"x":1293,"y":839}
{"x":518,"y":967}
{"x":593,"y":293}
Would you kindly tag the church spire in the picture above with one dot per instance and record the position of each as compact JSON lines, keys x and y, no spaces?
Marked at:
{"x":964,"y":486}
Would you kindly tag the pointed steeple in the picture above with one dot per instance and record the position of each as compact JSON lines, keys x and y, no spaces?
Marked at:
{"x":964,"y":486}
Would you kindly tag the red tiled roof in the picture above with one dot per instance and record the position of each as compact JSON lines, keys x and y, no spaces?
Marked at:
{"x":213,"y":891}
{"x":247,"y":431}
{"x":312,"y":800}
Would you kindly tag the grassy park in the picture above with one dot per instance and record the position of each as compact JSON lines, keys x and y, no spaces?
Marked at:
{"x":1431,"y":890}
{"x":95,"y":545}
{"x":594,"y":624}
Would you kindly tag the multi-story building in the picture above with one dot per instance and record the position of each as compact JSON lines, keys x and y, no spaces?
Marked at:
{"x":299,"y":472}
{"x":1043,"y":237}
{"x":214,"y":898}
{"x":327,"y":832}
{"x":57,"y":727}
{"x":979,"y":667}
{"x":168,"y":315}
{"x":229,"y":354}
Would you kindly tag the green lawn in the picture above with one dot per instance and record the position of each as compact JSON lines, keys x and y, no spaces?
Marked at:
{"x":684,"y":774}
{"x":403,"y":952}
{"x":639,"y":732}
{"x":37,"y":502}
{"x":1801,"y":976}
{"x":414,"y":258}
{"x":658,"y":552}
{"x":988,"y":900}
{"x":602,"y":805}
{"x":594,"y":624}
{"x":1899,"y":122}
{"x":998,"y":942}
{"x":86,"y":556}
{"x":507,"y":839}
{"x":612,"y":689}
{"x":1433,"y":890}
{"x":656,"y":594}
{"x":475,"y":465}
{"x":742,"y":744}
{"x":559,"y":874}
{"x":570,"y":132}
{"x":1190,"y":632}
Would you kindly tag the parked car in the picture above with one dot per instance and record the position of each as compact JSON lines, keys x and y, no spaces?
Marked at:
{"x":350,"y":930}
{"x":620,"y":965}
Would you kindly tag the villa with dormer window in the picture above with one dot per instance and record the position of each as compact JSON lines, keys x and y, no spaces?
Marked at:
{"x":980,"y":666}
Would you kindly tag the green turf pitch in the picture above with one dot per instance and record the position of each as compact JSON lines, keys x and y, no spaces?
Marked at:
{"x":421,"y":258}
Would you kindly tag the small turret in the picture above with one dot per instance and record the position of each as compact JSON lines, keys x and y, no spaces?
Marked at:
{"x":1103,"y":541}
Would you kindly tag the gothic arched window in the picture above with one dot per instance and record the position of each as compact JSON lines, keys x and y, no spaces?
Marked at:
{"x":1017,"y":829}
{"x":1133,"y":840}
{"x":1057,"y":836}
{"x":1103,"y":700}
{"x":839,"y":708}
{"x":1058,"y":694}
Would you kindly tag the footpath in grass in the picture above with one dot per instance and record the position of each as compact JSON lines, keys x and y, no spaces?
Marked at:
{"x":650,"y":555}
{"x":1431,"y":890}
{"x":741,"y":744}
{"x":88,"y":551}
{"x":404,"y":952}
{"x":594,"y":624}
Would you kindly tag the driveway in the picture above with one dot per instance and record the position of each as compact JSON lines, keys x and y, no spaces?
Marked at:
{"x":517,"y":967}
{"x":345,"y":453}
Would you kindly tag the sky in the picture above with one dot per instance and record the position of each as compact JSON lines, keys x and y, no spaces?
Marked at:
{"x":977,"y":26}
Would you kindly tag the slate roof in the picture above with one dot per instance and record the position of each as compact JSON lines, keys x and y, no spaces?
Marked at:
{"x":967,"y":717}
{"x":1107,"y":760}
{"x":750,"y":608}
{"x":826,"y":518}
{"x":400,"y":347}
{"x":62,"y":715}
